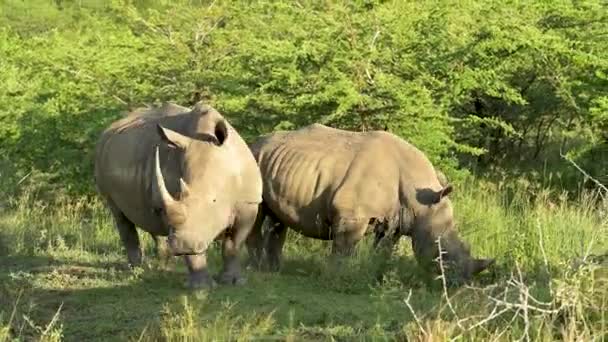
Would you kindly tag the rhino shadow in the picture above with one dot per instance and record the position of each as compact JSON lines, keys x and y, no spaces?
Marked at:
{"x":121,"y":312}
{"x":116,"y":310}
{"x":105,"y":309}
{"x":112,"y":306}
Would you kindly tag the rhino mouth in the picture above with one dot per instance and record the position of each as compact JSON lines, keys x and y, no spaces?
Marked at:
{"x":177,"y":250}
{"x":181,"y":252}
{"x":186,"y":253}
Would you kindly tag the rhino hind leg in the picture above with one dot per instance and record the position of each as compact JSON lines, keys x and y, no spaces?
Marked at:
{"x":274,"y":245}
{"x":346,"y":233}
{"x":385,"y":240}
{"x":236,"y":235}
{"x":255,"y":240}
{"x":128,"y":236}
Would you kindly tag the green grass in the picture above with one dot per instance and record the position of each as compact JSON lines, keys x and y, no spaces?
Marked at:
{"x":63,"y":277}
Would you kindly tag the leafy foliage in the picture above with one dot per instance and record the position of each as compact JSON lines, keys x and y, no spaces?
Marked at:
{"x":470,"y":83}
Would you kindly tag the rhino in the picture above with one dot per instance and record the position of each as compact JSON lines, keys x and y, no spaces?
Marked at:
{"x":187,"y":178}
{"x":332,"y":184}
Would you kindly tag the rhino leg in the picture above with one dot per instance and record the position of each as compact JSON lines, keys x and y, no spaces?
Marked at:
{"x":346,"y":234}
{"x":255,"y":240}
{"x":199,"y":276}
{"x":245,"y":220}
{"x":162,"y":250}
{"x":128,"y":236}
{"x":274,"y":244}
{"x":385,"y":243}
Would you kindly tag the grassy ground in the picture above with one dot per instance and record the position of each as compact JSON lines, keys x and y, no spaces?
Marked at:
{"x":62,"y":277}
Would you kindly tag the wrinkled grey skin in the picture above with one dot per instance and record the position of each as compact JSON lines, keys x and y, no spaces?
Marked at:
{"x":180,"y":173}
{"x":338,"y":185}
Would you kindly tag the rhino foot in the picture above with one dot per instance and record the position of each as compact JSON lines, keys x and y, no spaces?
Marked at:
{"x":254,"y":263}
{"x":231,"y":279}
{"x":198,"y":281}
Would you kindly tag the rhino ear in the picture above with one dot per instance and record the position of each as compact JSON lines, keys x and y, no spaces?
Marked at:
{"x":173,"y":138}
{"x":446,"y":191}
{"x":443,"y":193}
{"x":221,"y":132}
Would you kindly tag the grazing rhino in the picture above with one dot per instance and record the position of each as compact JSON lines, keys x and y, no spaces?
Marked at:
{"x":181,"y":173}
{"x":333,"y":184}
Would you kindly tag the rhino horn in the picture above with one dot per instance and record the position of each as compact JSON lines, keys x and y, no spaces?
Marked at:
{"x":478,"y":265}
{"x":168,"y":201}
{"x":184,"y":189}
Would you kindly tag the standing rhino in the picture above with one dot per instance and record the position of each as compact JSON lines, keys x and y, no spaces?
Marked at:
{"x":332,"y":184}
{"x":181,"y":173}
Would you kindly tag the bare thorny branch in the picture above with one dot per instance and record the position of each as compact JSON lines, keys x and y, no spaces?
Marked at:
{"x":524,"y":307}
{"x":598,"y":183}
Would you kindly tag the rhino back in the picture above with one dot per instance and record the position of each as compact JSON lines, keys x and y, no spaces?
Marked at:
{"x":322,"y":171}
{"x":300,"y":172}
{"x":385,"y":174}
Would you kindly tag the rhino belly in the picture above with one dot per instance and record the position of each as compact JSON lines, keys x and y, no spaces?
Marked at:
{"x":296,"y":189}
{"x":308,"y":220}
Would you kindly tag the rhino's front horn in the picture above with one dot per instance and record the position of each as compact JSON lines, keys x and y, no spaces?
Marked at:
{"x":478,"y":265}
{"x":168,"y":200}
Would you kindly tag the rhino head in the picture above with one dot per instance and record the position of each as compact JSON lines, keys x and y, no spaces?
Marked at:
{"x":203,"y":207}
{"x":433,"y":222}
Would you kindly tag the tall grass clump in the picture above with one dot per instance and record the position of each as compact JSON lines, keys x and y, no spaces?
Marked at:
{"x":190,"y":322}
{"x":33,"y":225}
{"x":574,"y":309}
{"x":12,"y":329}
{"x":531,"y":229}
{"x":551,"y":281}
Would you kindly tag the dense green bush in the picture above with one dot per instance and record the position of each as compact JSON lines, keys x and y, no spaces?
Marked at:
{"x":457,"y":79}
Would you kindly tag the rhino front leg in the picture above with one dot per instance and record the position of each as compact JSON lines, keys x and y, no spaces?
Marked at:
{"x":385,"y":243}
{"x":162,"y":250}
{"x":244,"y":222}
{"x":346,"y":234}
{"x":128,"y":236}
{"x":199,"y":275}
